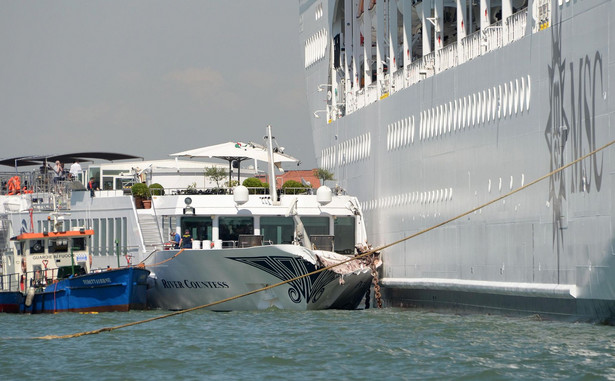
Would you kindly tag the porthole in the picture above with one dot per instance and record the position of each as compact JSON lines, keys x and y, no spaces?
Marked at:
{"x":494,"y":103}
{"x":516,"y":95}
{"x":474,"y":109}
{"x":455,"y":108}
{"x":505,"y":101}
{"x":528,"y":93}
{"x":488,"y":105}
{"x":499,"y":106}
{"x":510,"y":98}
{"x":522,"y":95}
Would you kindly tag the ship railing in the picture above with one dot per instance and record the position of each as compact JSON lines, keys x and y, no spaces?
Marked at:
{"x":447,"y":57}
{"x":470,"y":46}
{"x":351,"y":102}
{"x":397,"y":82}
{"x":361,"y":98}
{"x":22,"y":281}
{"x":516,"y":25}
{"x":371,"y":93}
{"x":492,"y":37}
{"x":421,"y":68}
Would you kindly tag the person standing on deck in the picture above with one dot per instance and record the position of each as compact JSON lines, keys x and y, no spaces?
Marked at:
{"x":75,"y":170}
{"x":186,"y":241}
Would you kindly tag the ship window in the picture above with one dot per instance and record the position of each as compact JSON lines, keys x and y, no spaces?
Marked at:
{"x":278,"y":230}
{"x":232,"y":227}
{"x":107,"y":183}
{"x":36,"y":246}
{"x":79,"y":243}
{"x":95,"y":247}
{"x":200,"y":227}
{"x":110,"y":237}
{"x":344,"y":228}
{"x":316,"y":225}
{"x":58,"y":245}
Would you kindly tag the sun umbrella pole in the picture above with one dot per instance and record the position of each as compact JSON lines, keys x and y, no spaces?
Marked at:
{"x":272,"y":184}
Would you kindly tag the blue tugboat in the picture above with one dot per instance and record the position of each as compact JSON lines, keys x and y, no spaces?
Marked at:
{"x":50,"y":272}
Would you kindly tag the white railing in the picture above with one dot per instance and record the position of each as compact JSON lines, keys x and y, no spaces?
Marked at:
{"x":492,"y":37}
{"x":478,"y":43}
{"x":470,"y":46}
{"x":371,"y":93}
{"x":516,"y":25}
{"x":398,"y":81}
{"x":447,"y":57}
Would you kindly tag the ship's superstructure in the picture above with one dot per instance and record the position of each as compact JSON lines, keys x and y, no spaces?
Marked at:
{"x":425,"y":110}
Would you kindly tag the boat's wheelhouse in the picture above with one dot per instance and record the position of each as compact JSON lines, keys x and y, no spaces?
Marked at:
{"x":41,"y":258}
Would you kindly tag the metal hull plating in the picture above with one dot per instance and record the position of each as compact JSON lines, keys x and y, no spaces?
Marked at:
{"x":114,"y":290}
{"x":472,"y":133}
{"x":199,"y":277}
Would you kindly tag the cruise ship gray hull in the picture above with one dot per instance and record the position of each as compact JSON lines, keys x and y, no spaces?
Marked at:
{"x":465,"y":135}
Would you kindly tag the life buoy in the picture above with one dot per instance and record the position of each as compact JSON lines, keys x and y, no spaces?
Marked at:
{"x":14,"y":185}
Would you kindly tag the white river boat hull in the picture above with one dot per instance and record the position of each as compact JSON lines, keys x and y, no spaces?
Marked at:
{"x":199,"y":277}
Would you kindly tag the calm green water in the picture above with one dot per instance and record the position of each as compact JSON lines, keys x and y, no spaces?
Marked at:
{"x":277,"y":345}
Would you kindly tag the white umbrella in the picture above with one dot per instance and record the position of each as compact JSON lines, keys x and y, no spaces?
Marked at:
{"x":236,"y":151}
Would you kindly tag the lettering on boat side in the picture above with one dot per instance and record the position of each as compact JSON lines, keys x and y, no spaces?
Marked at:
{"x":192,"y":284}
{"x":97,"y":281}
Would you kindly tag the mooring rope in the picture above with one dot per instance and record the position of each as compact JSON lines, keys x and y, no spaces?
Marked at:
{"x":369,"y":252}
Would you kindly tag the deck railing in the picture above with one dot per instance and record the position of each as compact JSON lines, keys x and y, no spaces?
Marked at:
{"x":470,"y":47}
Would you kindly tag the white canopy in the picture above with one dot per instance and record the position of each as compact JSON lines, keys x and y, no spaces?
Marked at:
{"x":236,"y":151}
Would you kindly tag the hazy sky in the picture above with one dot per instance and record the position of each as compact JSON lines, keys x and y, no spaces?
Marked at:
{"x":150,"y":78}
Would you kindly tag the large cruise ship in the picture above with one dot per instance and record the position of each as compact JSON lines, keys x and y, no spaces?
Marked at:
{"x":426,"y":110}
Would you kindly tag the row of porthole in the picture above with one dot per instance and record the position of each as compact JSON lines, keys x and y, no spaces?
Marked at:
{"x":347,"y":152}
{"x":494,"y":103}
{"x":316,"y":47}
{"x":498,"y":183}
{"x":427,"y":197}
{"x":400,"y":133}
{"x":318,"y":14}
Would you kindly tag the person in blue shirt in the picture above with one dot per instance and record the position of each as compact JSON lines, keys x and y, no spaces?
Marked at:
{"x":186,"y":242}
{"x":176,"y":239}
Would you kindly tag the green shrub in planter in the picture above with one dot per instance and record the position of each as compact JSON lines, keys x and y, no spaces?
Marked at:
{"x":156,"y":190}
{"x":140,"y":190}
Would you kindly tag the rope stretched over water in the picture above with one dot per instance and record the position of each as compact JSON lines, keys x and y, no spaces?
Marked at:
{"x":362,"y":255}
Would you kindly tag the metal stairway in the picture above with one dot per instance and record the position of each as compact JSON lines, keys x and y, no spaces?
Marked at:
{"x":152,"y":238}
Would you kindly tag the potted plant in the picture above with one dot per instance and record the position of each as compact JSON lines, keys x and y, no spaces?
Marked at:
{"x":140,"y":192}
{"x":294,"y":186}
{"x":156,"y":190}
{"x":255,"y":186}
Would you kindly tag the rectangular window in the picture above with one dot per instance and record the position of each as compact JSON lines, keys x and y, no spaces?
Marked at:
{"x":107,"y":183}
{"x":344,"y":228}
{"x":316,"y":225}
{"x":232,"y":227}
{"x":103,"y":237}
{"x":110,"y":237}
{"x":125,"y":234}
{"x":79,"y":243}
{"x":200,"y":227}
{"x":278,"y":230}
{"x":58,"y":245}
{"x":118,"y":234}
{"x":95,"y":237}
